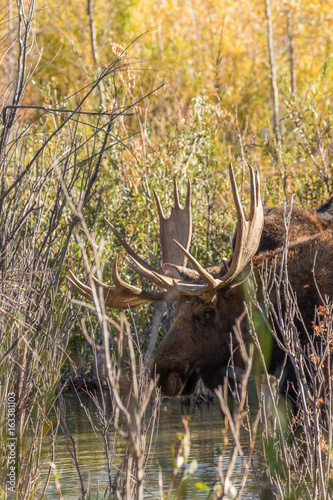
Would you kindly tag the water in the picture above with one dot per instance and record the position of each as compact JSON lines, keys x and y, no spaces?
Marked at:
{"x":206,"y":430}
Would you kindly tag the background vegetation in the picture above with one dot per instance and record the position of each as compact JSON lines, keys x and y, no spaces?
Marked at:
{"x":102,"y":102}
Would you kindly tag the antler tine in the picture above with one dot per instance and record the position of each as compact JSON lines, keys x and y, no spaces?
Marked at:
{"x":161,"y":215}
{"x":140,"y":266}
{"x":192,"y":288}
{"x":239,"y":208}
{"x":79,"y":286}
{"x":120,"y":296}
{"x":188,"y":196}
{"x":153,"y":276}
{"x":254,"y":191}
{"x":205,"y":275}
{"x":118,"y":281}
{"x":248,"y":231}
{"x":175,"y":195}
{"x":178,"y":226}
{"x":127,"y":247}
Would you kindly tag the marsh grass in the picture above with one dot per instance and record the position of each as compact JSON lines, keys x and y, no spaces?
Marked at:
{"x":47,"y":157}
{"x":65,"y":166}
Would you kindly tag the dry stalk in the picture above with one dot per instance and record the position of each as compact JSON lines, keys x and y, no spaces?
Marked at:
{"x":130,"y":394}
{"x":298,"y":438}
{"x":36,"y":313}
{"x":273,"y":67}
{"x":235,"y":423}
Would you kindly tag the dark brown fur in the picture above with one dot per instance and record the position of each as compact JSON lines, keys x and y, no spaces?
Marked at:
{"x":198,"y":343}
{"x":303,"y":224}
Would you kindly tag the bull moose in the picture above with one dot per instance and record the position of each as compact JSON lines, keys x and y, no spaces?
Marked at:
{"x":209,"y":301}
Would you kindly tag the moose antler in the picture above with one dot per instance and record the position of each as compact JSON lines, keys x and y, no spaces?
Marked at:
{"x":247,"y":240}
{"x":123,"y":295}
{"x":120,"y":296}
{"x":174,"y":279}
{"x":176,"y":227}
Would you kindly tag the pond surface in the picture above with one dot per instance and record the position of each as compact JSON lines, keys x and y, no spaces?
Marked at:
{"x":206,"y":429}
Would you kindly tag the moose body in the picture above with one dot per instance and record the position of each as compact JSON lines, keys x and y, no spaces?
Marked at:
{"x":303,"y":224}
{"x":201,"y":341}
{"x":198,"y":345}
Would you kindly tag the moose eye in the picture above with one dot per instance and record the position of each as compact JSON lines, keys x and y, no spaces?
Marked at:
{"x":209,"y":315}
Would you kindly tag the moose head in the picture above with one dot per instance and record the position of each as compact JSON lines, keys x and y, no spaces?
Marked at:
{"x":208,"y":300}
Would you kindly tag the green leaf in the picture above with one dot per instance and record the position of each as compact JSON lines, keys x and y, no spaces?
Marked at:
{"x":202,"y":486}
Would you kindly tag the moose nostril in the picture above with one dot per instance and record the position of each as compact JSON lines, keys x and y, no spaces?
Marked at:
{"x":172,"y":385}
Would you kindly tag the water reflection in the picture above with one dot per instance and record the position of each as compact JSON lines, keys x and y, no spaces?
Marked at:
{"x":206,"y":428}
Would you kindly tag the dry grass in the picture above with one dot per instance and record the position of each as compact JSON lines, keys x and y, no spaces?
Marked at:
{"x":61,"y":170}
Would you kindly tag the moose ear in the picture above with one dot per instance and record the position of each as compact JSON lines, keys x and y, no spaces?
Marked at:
{"x":220,"y":270}
{"x":180,"y":273}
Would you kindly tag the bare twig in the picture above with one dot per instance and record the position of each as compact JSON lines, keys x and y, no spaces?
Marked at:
{"x":272,"y":61}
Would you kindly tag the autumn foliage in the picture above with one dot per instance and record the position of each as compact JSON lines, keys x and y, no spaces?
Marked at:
{"x":100,"y":103}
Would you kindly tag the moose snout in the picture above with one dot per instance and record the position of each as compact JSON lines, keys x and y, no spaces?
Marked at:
{"x":171,"y":384}
{"x":172,"y":375}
